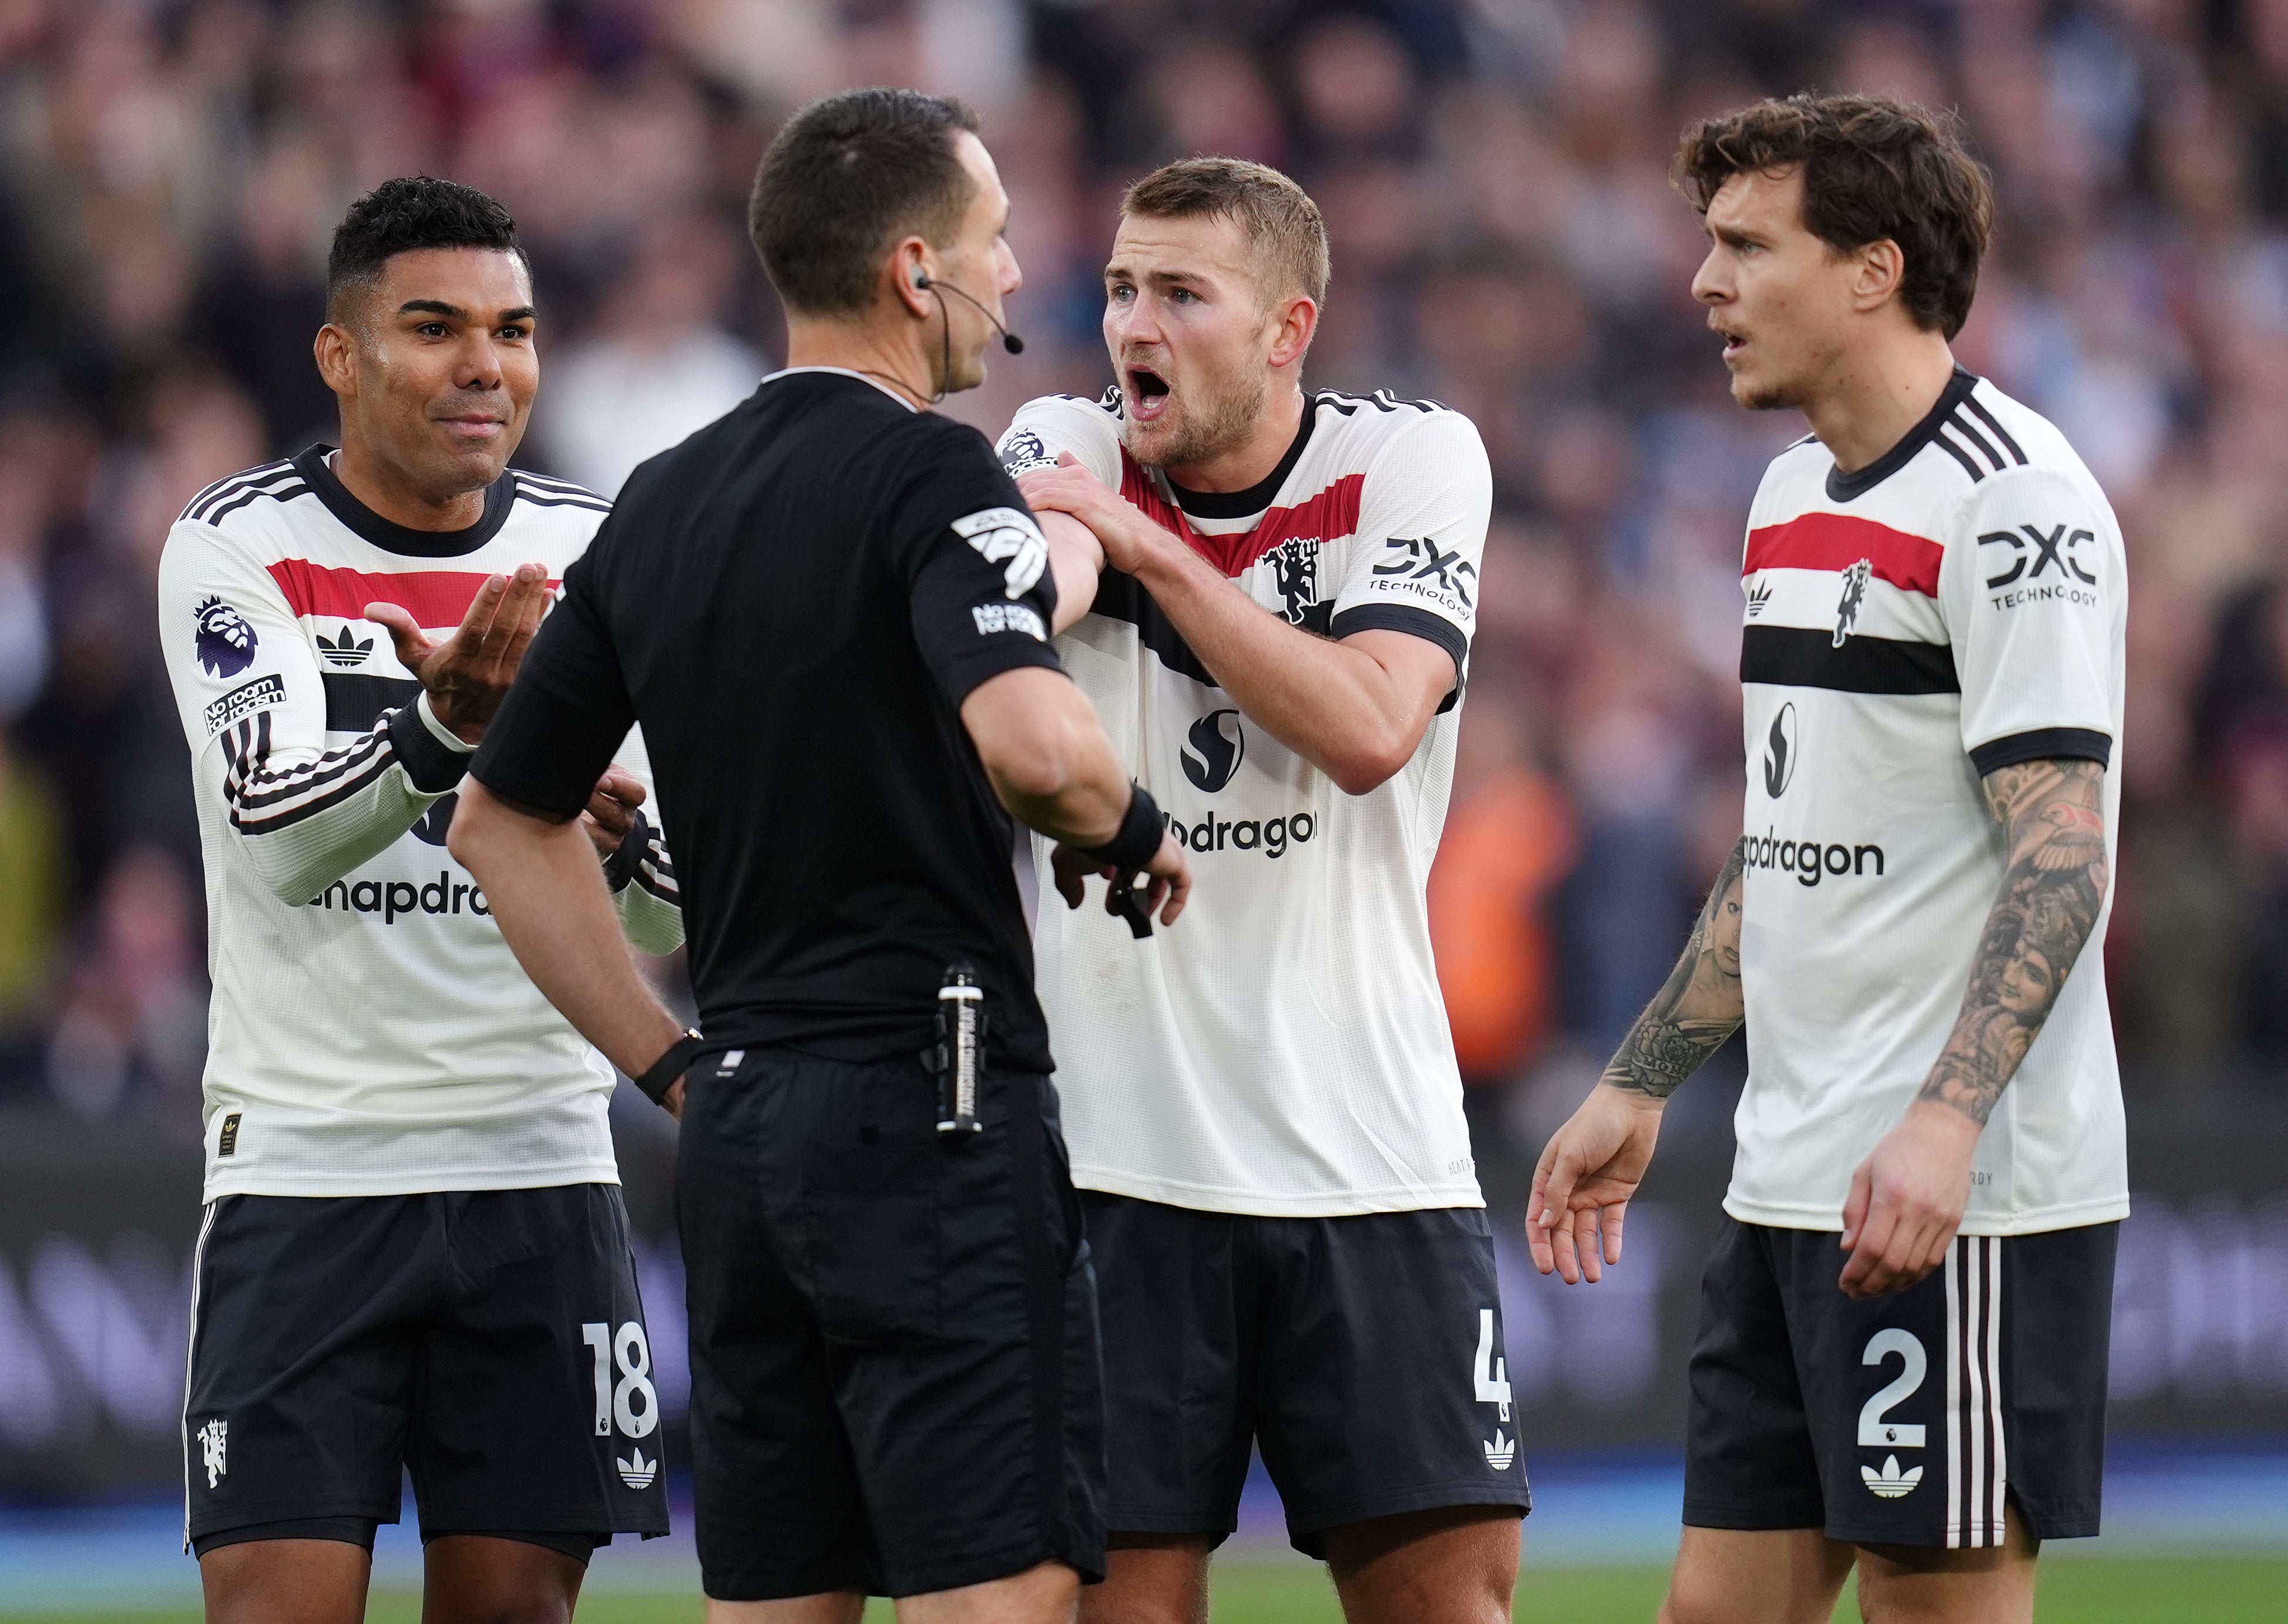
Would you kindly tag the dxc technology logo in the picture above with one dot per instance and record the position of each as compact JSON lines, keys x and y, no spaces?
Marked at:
{"x":1780,"y":751}
{"x":1210,"y":755}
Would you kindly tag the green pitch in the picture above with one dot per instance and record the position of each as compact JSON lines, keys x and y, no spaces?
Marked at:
{"x":2076,"y":1590}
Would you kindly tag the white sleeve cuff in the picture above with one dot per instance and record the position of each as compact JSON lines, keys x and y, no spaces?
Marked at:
{"x":438,"y":730}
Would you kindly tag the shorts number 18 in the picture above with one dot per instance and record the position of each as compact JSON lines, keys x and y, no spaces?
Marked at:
{"x":631,"y":1351}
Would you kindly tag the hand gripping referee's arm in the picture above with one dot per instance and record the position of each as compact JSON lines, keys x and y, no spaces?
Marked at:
{"x":2031,"y":588}
{"x":1592,"y":1166}
{"x":253,"y":706}
{"x":982,"y":590}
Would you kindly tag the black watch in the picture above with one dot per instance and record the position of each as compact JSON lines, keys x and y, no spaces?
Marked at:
{"x":660,"y":1076}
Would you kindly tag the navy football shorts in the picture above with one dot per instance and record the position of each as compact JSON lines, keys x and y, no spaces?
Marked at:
{"x":1911,"y":1418}
{"x":1362,"y":1355}
{"x":489,"y":1341}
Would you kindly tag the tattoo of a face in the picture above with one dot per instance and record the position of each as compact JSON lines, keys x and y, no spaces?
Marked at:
{"x":2053,"y":816}
{"x":1700,"y":1004}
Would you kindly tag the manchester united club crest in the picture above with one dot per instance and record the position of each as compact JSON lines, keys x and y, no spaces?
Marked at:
{"x":1855,"y":597}
{"x":1295,"y":567}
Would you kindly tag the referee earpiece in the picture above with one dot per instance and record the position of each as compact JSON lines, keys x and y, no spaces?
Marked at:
{"x":924,"y":284}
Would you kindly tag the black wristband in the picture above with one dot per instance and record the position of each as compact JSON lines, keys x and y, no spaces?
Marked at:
{"x":660,"y":1076}
{"x":1138,"y":842}
{"x":620,"y":867}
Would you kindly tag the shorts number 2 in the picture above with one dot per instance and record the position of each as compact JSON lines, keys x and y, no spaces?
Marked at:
{"x":1874,"y":1431}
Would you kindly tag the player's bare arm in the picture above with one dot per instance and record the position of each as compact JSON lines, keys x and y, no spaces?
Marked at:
{"x":1907,"y":1197}
{"x":1356,"y":709}
{"x":1592,"y":1166}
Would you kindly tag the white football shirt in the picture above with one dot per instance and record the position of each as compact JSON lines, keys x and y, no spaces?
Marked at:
{"x":1284,"y":1049}
{"x":370,"y":1033}
{"x":1956,"y":606}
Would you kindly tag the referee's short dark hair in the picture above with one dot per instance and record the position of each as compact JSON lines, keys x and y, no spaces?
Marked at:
{"x":413,"y":211}
{"x":1872,"y":168}
{"x":848,"y":175}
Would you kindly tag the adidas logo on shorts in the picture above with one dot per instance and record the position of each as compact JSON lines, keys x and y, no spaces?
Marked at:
{"x":638,"y":1472}
{"x":1891,"y":1483}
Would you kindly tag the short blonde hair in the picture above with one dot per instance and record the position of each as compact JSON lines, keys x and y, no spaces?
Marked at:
{"x":1277,"y":216}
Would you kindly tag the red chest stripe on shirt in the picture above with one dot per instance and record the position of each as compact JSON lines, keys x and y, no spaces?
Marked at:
{"x":1837,"y":541}
{"x":1329,"y":516}
{"x":435,"y":597}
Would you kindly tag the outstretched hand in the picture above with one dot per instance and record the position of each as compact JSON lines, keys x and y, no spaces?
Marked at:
{"x":1170,"y":874}
{"x":1582,"y":1184}
{"x":469,"y":673}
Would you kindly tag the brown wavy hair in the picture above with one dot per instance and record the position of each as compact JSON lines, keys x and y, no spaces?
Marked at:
{"x":1872,"y":168}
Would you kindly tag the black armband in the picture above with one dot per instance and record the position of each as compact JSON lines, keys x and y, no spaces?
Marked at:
{"x":661,"y":1073}
{"x":1138,"y":842}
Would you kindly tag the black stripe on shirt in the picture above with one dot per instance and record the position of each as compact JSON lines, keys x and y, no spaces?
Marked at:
{"x":1121,"y":597}
{"x":1968,"y":430}
{"x":354,"y":702}
{"x":1806,"y":657}
{"x":1995,"y":423}
{"x":531,"y":498}
{"x":271,"y":824}
{"x":284,"y":493}
{"x":2044,"y":744}
{"x":1969,"y":464}
{"x":237,"y":482}
{"x":265,"y":789}
{"x":1415,"y":622}
{"x":553,"y":483}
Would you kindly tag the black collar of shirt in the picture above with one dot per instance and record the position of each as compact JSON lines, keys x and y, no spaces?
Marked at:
{"x":387,"y":533}
{"x":1257,"y":497}
{"x":1846,"y":487}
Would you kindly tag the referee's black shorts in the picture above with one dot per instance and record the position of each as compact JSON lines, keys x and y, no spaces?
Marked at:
{"x":896,"y":1385}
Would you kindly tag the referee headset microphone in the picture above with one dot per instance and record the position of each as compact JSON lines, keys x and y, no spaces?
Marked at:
{"x":926,"y":284}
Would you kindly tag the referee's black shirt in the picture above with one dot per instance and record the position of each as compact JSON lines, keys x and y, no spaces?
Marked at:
{"x":794,"y":602}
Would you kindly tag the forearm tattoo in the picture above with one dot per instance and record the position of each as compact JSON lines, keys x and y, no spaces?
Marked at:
{"x":2052,"y":814}
{"x":1700,"y":1004}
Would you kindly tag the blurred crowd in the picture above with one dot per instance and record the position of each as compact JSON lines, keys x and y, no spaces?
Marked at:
{"x":1506,"y":241}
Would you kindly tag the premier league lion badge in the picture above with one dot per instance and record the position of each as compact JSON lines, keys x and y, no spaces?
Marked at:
{"x":226,"y":643}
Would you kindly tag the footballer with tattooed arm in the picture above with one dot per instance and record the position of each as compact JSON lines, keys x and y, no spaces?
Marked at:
{"x":1931,"y":663}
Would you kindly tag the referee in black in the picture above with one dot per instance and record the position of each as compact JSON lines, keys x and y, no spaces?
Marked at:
{"x":829,"y":610}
